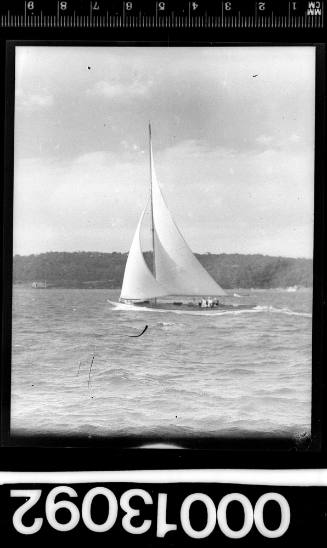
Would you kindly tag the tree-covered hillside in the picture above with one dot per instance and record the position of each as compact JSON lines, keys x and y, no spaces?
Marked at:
{"x":106,"y":270}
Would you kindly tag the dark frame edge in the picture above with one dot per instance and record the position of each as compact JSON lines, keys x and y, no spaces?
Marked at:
{"x":315,"y":443}
{"x":7,"y":244}
{"x":319,"y":267}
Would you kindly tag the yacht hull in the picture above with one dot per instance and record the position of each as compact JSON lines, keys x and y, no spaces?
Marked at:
{"x":179,"y":305}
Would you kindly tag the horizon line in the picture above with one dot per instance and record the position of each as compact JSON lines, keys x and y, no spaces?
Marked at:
{"x":150,"y":251}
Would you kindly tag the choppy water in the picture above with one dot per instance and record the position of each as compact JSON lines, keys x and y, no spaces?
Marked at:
{"x":191,"y":372}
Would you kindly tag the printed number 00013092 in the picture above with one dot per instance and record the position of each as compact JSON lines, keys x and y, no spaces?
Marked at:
{"x":252,"y":516}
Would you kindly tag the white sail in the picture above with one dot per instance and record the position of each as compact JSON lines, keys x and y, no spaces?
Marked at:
{"x":176,"y":267}
{"x":139,"y":282}
{"x":176,"y":270}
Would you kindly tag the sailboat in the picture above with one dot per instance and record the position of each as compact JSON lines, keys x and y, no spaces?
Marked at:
{"x":176,"y":273}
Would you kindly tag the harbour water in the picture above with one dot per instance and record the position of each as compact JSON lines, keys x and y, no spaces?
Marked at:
{"x":77,"y":370}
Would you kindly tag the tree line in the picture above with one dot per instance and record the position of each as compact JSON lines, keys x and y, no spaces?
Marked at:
{"x":106,"y":270}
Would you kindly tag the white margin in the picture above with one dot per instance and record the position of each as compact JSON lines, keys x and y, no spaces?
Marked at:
{"x":294,"y":478}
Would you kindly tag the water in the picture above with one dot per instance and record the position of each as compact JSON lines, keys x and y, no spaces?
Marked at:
{"x":191,"y":373}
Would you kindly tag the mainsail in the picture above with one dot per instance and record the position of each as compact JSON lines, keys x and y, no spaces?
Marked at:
{"x":176,"y":270}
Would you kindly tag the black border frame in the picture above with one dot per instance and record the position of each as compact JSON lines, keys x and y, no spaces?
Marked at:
{"x":206,"y":452}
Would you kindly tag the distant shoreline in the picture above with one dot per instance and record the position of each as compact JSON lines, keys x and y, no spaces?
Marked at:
{"x":289,"y":289}
{"x":106,"y":270}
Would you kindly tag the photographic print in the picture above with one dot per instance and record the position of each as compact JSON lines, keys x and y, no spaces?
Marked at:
{"x":163,"y":242}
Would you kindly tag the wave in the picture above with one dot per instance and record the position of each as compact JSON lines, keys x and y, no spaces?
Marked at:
{"x":285,"y":310}
{"x":170,"y":326}
{"x":256,"y":309}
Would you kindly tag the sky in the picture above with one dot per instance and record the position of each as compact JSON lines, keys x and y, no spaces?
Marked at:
{"x":233,"y":143}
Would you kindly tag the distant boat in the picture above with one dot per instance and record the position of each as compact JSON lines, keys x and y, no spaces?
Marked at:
{"x":175,"y":269}
{"x":39,"y":285}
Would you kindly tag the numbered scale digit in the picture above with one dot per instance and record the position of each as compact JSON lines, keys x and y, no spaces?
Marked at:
{"x":227,"y":14}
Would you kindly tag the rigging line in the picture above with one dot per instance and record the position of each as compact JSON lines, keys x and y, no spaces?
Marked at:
{"x":151,"y":198}
{"x":79,"y":367}
{"x":139,"y":335}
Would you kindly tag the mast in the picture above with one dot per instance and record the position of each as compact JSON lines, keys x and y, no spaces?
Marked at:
{"x":151,"y":205}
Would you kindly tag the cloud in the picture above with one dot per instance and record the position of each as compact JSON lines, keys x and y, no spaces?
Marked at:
{"x":281,"y":141}
{"x":222,"y":200}
{"x":181,"y":90}
{"x":264,"y":139}
{"x":120,"y":90}
{"x":294,"y":138}
{"x":33,"y":101}
{"x":234,"y":155}
{"x":91,"y":202}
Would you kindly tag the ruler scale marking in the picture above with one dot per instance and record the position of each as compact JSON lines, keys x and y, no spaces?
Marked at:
{"x":291,"y":18}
